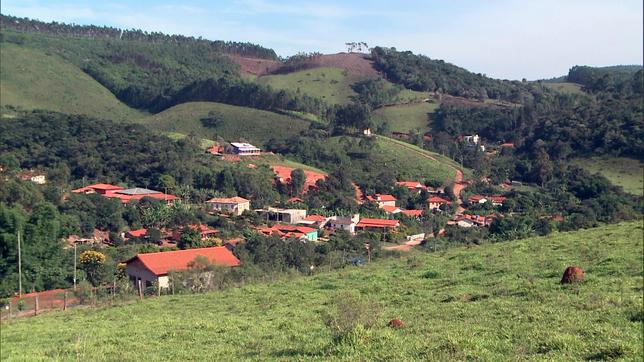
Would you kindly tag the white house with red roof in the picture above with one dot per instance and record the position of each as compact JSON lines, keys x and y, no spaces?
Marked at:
{"x":435,"y":202}
{"x":412,"y":186}
{"x":230,"y":205}
{"x":477,"y":199}
{"x":153,"y":268}
{"x":382,"y":200}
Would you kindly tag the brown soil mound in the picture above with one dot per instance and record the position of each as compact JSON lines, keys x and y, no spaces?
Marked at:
{"x":355,"y":64}
{"x":573,"y":274}
{"x":396,"y":324}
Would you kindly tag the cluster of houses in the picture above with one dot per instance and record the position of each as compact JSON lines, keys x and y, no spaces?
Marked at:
{"x":125,"y":195}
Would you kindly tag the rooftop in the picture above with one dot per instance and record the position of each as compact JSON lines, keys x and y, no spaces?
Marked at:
{"x":162,"y":262}
{"x":228,"y":200}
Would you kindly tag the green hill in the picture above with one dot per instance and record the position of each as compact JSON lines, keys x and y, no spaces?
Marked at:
{"x":32,"y":79}
{"x":621,"y":171}
{"x":493,"y":302}
{"x":405,"y":117}
{"x":333,"y":85}
{"x":409,"y":161}
{"x":233,"y":122}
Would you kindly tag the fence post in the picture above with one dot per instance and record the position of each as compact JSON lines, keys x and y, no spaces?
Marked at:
{"x":36,"y":306}
{"x":140,"y":291}
{"x":65,"y":301}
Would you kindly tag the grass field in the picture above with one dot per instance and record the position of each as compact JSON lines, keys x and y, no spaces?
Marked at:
{"x":489,"y":303}
{"x":402,"y":118}
{"x":332,"y":85}
{"x":565,"y":87}
{"x":236,"y":122}
{"x":625,"y":172}
{"x":32,"y":79}
{"x":413,"y":162}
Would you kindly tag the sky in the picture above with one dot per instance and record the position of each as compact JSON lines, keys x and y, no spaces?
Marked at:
{"x":500,"y":38}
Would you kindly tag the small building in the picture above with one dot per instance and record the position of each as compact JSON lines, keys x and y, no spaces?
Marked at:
{"x":416,"y":214}
{"x":230,"y":205}
{"x":477,"y":199}
{"x":288,"y":216}
{"x":412,"y":186}
{"x":391,"y":210}
{"x":138,"y":193}
{"x":291,"y":231}
{"x":153,"y":268}
{"x":435,"y":202}
{"x":101,"y":189}
{"x":34,"y":176}
{"x":382,"y":225}
{"x":346,"y":223}
{"x":383,"y":200}
{"x":315,"y":221}
{"x":136,"y":234}
{"x":497,"y":200}
{"x":243,"y":149}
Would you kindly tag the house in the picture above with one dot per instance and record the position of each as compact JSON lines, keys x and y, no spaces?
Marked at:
{"x":382,"y":225}
{"x":390,"y":210}
{"x":152,"y":268}
{"x":473,"y":141}
{"x":315,"y":221}
{"x":417,"y":214}
{"x":412,"y":186}
{"x":34,"y":176}
{"x":435,"y":202}
{"x":469,"y":220}
{"x":497,"y":200}
{"x":291,"y":231}
{"x":136,"y":234}
{"x":382,"y":200}
{"x":288,"y":216}
{"x":243,"y":149}
{"x":101,"y":189}
{"x":231,"y":205}
{"x":205,"y":232}
{"x":346,"y":223}
{"x":477,"y":199}
{"x":138,"y":193}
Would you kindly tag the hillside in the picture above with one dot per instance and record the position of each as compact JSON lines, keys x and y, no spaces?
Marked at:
{"x":332,"y":85}
{"x":405,"y":117}
{"x":494,"y":302}
{"x":621,"y":171}
{"x":234,"y":122}
{"x":32,"y":79}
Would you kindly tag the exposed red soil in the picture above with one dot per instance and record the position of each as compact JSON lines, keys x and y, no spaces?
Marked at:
{"x":355,"y":64}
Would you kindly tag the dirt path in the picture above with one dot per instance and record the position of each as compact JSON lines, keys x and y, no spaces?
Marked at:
{"x":404,"y":247}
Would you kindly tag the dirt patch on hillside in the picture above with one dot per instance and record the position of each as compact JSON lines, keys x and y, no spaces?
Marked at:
{"x":355,"y":64}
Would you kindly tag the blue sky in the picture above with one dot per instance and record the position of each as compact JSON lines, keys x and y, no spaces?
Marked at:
{"x":500,"y":38}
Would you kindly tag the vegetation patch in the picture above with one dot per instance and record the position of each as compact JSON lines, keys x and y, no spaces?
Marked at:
{"x":621,"y":171}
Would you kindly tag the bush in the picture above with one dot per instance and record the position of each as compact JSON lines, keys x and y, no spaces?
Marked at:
{"x":84,"y":292}
{"x":351,"y":316}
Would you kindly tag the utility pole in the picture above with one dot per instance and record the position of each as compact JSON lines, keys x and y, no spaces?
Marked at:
{"x":74,"y":265}
{"x":19,"y":268}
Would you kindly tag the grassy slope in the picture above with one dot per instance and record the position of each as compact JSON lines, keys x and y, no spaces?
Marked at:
{"x":621,"y":171}
{"x":565,"y":87}
{"x":413,"y":162}
{"x":237,"y":122}
{"x":495,"y":302}
{"x":32,"y":79}
{"x":405,"y":117}
{"x":332,"y":85}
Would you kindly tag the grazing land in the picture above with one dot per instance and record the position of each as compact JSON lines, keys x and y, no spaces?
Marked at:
{"x":405,"y":117}
{"x":491,"y":302}
{"x":625,"y":172}
{"x":34,"y":79}
{"x":234,"y":122}
{"x":565,"y":87}
{"x":332,"y":85}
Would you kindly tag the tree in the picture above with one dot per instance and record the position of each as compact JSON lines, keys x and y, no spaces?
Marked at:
{"x":191,"y":238}
{"x":92,"y":262}
{"x":297,"y":181}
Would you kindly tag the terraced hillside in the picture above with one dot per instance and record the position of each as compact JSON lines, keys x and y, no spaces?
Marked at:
{"x":232,"y":122}
{"x":33,"y":79}
{"x":492,"y":302}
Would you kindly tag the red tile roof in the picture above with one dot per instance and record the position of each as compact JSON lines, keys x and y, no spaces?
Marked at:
{"x":379,"y":197}
{"x":162,"y":262}
{"x":294,"y":199}
{"x":497,"y":199}
{"x":228,"y":200}
{"x":412,"y":213}
{"x":106,"y":187}
{"x":137,"y":233}
{"x":410,"y":184}
{"x":476,"y":198}
{"x":378,"y":223}
{"x":437,"y":200}
{"x":391,"y":209}
{"x":315,"y":218}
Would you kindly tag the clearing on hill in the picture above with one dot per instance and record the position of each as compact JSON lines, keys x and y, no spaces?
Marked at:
{"x":565,"y":87}
{"x":492,"y":302}
{"x":332,"y":85}
{"x":406,"y":117}
{"x":33,"y":79}
{"x":621,"y":171}
{"x":230,"y":122}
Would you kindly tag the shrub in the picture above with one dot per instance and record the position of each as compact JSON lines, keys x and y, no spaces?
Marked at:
{"x":84,"y":292}
{"x":351,"y":315}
